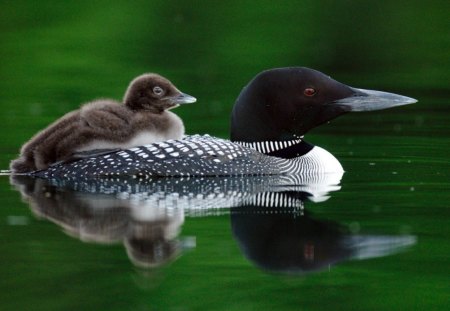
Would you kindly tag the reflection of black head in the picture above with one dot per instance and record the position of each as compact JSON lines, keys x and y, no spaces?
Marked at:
{"x":280,"y":240}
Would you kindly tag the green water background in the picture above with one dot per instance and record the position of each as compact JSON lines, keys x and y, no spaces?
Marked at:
{"x":55,"y":55}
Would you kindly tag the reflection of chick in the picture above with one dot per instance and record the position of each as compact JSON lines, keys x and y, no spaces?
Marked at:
{"x":148,"y":246}
{"x":103,"y":219}
{"x":148,"y":231}
{"x":105,"y":124}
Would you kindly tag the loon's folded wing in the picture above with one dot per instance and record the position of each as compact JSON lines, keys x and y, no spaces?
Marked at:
{"x":192,"y":156}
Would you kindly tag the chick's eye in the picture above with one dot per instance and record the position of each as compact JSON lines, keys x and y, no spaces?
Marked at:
{"x":157,"y":90}
{"x":309,"y":91}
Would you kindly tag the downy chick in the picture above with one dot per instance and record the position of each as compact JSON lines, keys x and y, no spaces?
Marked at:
{"x":143,"y":118}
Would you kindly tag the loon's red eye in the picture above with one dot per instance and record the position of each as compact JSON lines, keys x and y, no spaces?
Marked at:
{"x":309,"y":91}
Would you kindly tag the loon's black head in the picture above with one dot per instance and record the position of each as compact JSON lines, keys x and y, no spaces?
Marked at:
{"x":285,"y":103}
{"x":155,"y":93}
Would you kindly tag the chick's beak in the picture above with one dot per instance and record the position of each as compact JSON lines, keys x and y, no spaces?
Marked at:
{"x":183,"y":98}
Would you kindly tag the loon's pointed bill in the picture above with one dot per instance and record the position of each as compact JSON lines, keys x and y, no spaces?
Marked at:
{"x":183,"y":98}
{"x":369,"y":100}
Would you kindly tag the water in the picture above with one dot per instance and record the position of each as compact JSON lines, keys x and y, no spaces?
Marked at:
{"x":375,"y":240}
{"x":380,"y":241}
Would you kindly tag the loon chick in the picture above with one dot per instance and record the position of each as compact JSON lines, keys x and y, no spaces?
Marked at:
{"x":269,"y":119}
{"x":105,"y":124}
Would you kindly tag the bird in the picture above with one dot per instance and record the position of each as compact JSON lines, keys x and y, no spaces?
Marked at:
{"x":269,"y":119}
{"x":104,"y":125}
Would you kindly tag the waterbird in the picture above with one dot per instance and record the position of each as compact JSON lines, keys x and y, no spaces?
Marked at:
{"x":270,"y":117}
{"x":103,"y":126}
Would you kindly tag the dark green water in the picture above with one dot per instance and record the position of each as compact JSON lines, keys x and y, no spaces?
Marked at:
{"x":55,"y":56}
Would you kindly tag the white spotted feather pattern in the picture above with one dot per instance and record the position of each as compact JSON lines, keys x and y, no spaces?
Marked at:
{"x":192,"y":156}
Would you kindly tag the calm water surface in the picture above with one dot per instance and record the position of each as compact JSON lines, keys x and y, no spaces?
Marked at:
{"x":376,"y":239}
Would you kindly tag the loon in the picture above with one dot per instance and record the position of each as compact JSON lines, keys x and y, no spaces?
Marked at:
{"x":106,"y":125}
{"x":268,"y":122}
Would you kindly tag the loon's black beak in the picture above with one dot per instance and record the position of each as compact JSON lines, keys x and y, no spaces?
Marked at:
{"x":367,"y":100}
{"x":183,"y":98}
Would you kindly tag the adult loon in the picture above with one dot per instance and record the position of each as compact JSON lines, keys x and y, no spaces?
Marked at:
{"x":269,"y":119}
{"x":105,"y":124}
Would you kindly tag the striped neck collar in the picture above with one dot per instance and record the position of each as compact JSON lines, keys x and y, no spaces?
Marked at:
{"x":270,"y":146}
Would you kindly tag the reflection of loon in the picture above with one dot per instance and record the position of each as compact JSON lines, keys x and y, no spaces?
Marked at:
{"x":148,"y":215}
{"x":277,"y":238}
{"x":268,"y":122}
{"x":201,"y":195}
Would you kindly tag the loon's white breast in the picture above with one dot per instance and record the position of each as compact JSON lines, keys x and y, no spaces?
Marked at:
{"x":320,"y":160}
